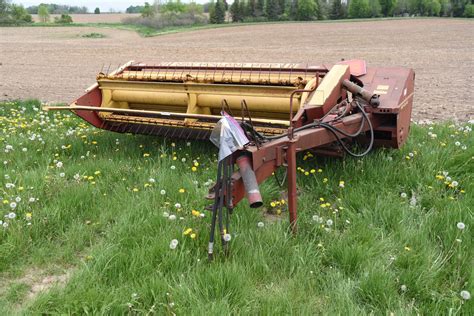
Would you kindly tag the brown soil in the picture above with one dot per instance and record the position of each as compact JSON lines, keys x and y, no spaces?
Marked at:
{"x":56,"y":64}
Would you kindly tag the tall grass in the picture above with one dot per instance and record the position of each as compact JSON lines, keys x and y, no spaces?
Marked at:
{"x":384,"y":241}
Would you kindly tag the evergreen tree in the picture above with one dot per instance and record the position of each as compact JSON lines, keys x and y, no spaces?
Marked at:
{"x":97,"y":11}
{"x":260,"y":8}
{"x":272,"y":10}
{"x":236,"y":11}
{"x":217,"y":13}
{"x":337,"y":10}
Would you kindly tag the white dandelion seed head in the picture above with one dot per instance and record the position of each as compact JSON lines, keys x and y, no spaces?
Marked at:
{"x":31,"y":200}
{"x":77,"y":176}
{"x":457,"y":143}
{"x":173,"y":167}
{"x":151,"y":180}
{"x":315,"y":218}
{"x":9,"y":185}
{"x":460,"y":225}
{"x":18,"y":199}
{"x":183,"y":159}
{"x":62,"y":174}
{"x":13,"y":205}
{"x":166,"y":214}
{"x":329,"y":222}
{"x":24,"y":149}
{"x":464,"y":147}
{"x":260,"y":224}
{"x":403,"y":195}
{"x":227,"y":237}
{"x":5,"y":225}
{"x":411,"y":154}
{"x":454,"y":183}
{"x":403,"y":288}
{"x":11,"y":215}
{"x":172,"y":217}
{"x":174,"y":244}
{"x":177,"y":205}
{"x":465,"y":295}
{"x":202,"y":215}
{"x":162,"y":192}
{"x":445,"y":173}
{"x":448,"y":179}
{"x":59,"y":164}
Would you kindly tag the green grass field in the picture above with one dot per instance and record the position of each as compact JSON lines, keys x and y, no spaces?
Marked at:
{"x":87,"y":220}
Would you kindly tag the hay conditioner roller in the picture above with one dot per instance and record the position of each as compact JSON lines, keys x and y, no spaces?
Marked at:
{"x":282,"y":109}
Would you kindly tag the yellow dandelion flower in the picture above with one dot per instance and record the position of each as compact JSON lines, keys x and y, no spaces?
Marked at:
{"x":135,"y":190}
{"x":94,"y":142}
{"x":272,"y":204}
{"x":325,"y":180}
{"x":20,"y":189}
{"x":306,"y":173}
{"x":187,"y":231}
{"x":193,"y":236}
{"x":282,"y":202}
{"x":193,"y":169}
{"x":195,"y":213}
{"x":175,"y":158}
{"x":407,"y":248}
{"x":181,"y":190}
{"x":278,"y":212}
{"x":5,"y":202}
{"x":97,"y":172}
{"x":196,"y":164}
{"x":146,"y":155}
{"x":321,"y":199}
{"x":440,"y":177}
{"x":312,"y":171}
{"x":320,"y":170}
{"x":90,"y":178}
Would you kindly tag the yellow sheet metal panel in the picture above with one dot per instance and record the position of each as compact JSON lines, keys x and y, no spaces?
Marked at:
{"x":330,"y":84}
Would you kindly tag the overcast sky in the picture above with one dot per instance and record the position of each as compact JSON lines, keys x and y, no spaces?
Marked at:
{"x":91,"y":4}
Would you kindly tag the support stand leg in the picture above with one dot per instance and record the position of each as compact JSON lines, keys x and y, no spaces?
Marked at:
{"x":292,"y":196}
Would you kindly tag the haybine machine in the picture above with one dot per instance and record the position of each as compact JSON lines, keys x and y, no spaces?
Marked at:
{"x":280,"y":110}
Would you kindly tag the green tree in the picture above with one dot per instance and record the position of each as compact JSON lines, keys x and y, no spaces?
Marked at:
{"x":173,"y":6}
{"x":359,"y":9}
{"x":236,"y":11}
{"x":260,"y":8}
{"x":469,"y":11}
{"x":63,"y":19}
{"x":375,"y":8}
{"x":97,"y":11}
{"x":306,"y":10}
{"x":387,"y":6}
{"x":272,"y":10}
{"x":43,"y":13}
{"x":19,"y":14}
{"x":338,"y":10}
{"x":147,"y":10}
{"x":217,"y":12}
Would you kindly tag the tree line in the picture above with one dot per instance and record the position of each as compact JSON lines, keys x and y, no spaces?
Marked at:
{"x":306,"y":10}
